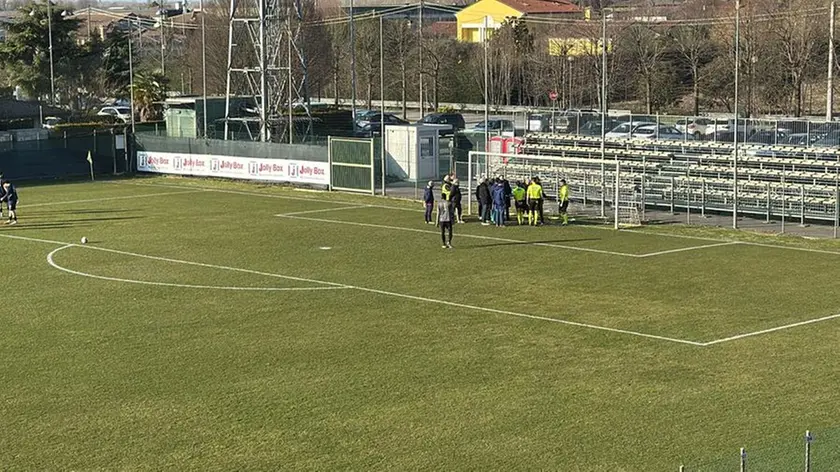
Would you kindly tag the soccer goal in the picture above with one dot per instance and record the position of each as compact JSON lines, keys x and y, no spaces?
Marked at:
{"x":608,"y":190}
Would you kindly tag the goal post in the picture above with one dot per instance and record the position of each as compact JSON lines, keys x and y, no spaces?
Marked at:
{"x":594,"y":183}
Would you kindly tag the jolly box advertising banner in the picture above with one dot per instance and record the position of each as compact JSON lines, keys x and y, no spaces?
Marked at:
{"x":250,"y":168}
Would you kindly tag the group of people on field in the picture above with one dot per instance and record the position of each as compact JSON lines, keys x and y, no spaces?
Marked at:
{"x":494,"y":201}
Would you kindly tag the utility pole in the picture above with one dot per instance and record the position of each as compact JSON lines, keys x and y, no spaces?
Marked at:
{"x":486,"y":88}
{"x":829,"y":100}
{"x":203,"y":67}
{"x":382,"y":156}
{"x":131,"y":74}
{"x":735,"y":138}
{"x":422,"y":74}
{"x":52,"y":74}
{"x":352,"y":63}
{"x":604,"y":121}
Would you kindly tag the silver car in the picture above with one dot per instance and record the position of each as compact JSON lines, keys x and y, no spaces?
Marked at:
{"x":661,"y":132}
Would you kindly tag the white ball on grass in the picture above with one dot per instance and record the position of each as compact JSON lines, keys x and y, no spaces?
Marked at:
{"x":84,"y":240}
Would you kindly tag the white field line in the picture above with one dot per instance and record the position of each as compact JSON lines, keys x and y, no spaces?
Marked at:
{"x":460,"y":235}
{"x":126,"y":197}
{"x":647,"y":233}
{"x":366,"y":289}
{"x":770,"y":330}
{"x":324,"y":210}
{"x":51,"y":261}
{"x":340,"y":202}
{"x":691,"y":248}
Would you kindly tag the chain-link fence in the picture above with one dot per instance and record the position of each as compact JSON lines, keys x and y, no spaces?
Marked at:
{"x":813,"y":451}
{"x":64,"y":156}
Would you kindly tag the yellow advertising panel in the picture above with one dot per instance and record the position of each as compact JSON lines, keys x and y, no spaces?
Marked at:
{"x":576,"y":47}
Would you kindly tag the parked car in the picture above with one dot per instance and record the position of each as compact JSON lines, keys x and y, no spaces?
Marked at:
{"x":456,"y":120}
{"x":372,"y":124}
{"x":495,"y":125}
{"x":570,"y":121}
{"x":50,"y":122}
{"x":654,"y":131}
{"x":701,"y":127}
{"x":593,"y":127}
{"x":763,"y":136}
{"x":121,"y":113}
{"x":625,"y":129}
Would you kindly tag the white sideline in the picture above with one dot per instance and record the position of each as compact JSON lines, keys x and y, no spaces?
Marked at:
{"x":473,"y":236}
{"x":65,"y":245}
{"x":683,"y":249}
{"x":770,"y":330}
{"x":125,"y":197}
{"x":51,"y":261}
{"x":322,"y":210}
{"x":340,"y":202}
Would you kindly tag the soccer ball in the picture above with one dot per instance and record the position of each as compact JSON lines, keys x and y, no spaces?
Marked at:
{"x":84,"y":240}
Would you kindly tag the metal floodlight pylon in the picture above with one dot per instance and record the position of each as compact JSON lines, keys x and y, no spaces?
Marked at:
{"x":260,"y":37}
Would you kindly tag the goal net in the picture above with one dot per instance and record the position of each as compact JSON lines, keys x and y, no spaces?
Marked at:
{"x":606,"y":190}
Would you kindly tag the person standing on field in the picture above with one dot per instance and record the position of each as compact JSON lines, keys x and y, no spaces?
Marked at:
{"x":484,"y":201}
{"x":455,"y":196}
{"x":519,"y":201}
{"x":563,"y":200}
{"x":535,"y":201}
{"x":429,"y":201}
{"x":444,"y":221}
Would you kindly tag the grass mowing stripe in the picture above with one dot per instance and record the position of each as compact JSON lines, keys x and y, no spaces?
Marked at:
{"x":51,"y":261}
{"x":474,"y":236}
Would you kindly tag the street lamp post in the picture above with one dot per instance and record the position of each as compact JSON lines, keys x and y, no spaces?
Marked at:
{"x":50,"y":49}
{"x":735,"y":137}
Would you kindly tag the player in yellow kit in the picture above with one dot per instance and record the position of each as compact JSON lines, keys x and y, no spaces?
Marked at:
{"x":563,"y":201}
{"x":535,"y":200}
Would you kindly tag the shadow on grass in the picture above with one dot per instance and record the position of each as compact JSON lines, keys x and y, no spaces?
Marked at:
{"x":23,"y":225}
{"x":528,"y":243}
{"x":77,"y":212}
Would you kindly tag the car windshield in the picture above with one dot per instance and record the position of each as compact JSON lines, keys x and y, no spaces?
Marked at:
{"x":123,"y":110}
{"x":622,"y":128}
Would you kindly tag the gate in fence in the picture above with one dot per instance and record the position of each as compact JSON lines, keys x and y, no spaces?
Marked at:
{"x":353,"y":164}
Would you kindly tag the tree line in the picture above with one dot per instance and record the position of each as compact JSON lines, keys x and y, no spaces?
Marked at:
{"x":684,"y":64}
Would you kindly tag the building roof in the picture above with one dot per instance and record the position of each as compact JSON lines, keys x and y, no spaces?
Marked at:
{"x":431,"y":5}
{"x":542,"y":6}
{"x":18,"y":109}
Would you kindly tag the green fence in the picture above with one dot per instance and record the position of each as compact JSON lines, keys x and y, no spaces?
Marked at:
{"x":63,"y":157}
{"x":354,"y":164}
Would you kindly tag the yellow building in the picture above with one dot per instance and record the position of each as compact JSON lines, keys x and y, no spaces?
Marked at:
{"x":477,"y":21}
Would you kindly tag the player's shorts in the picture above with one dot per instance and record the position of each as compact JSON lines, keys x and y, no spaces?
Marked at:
{"x":445,"y":225}
{"x":534,"y":205}
{"x":521,"y":205}
{"x":12,"y":205}
{"x":564,"y":206}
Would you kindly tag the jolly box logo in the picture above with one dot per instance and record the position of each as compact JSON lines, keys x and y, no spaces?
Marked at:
{"x":144,"y":160}
{"x":293,"y":170}
{"x":178,"y":163}
{"x":214,"y":165}
{"x":253,"y":168}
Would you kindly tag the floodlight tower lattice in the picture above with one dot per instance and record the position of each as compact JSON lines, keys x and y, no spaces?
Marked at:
{"x":259,"y":34}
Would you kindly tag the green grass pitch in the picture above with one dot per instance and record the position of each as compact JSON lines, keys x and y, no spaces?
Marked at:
{"x":215,"y":325}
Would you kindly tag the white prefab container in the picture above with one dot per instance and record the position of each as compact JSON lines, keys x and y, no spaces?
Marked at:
{"x":412,"y":151}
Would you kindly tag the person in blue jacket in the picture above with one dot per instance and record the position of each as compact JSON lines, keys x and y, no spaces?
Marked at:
{"x":429,"y":201}
{"x":498,"y":194}
{"x":10,"y":196}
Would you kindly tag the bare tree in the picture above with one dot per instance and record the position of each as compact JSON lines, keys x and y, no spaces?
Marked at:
{"x":645,"y":47}
{"x":693,"y":44}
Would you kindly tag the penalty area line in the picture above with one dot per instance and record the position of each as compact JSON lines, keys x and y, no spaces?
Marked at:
{"x":65,"y":245}
{"x":460,"y":235}
{"x":690,"y":248}
{"x":770,"y":330}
